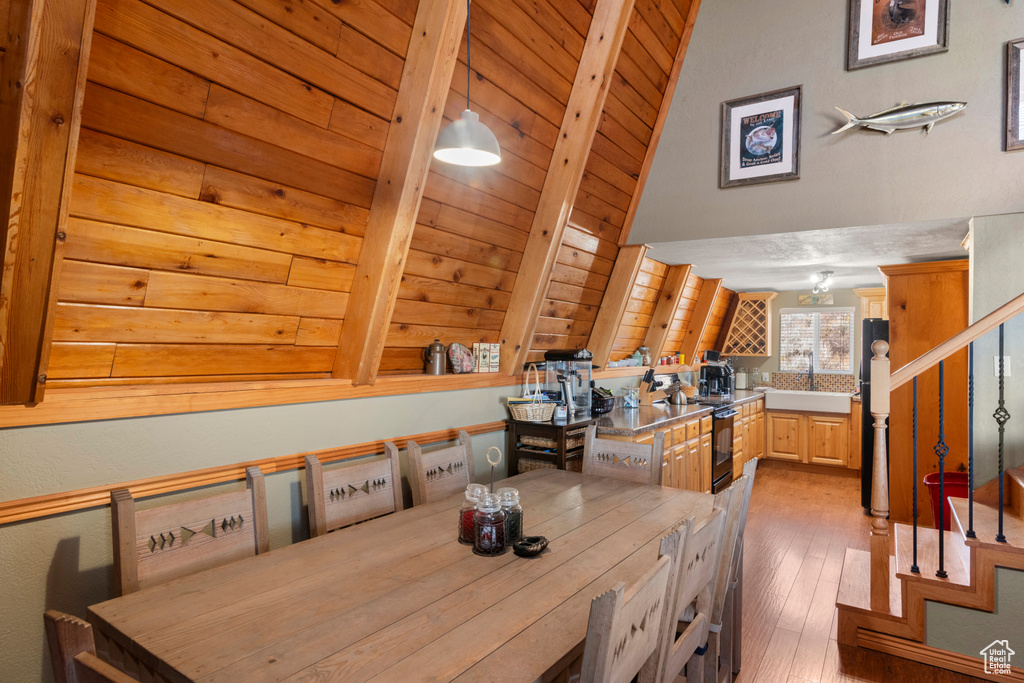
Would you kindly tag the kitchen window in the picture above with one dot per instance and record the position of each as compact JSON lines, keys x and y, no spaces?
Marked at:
{"x":825,"y":332}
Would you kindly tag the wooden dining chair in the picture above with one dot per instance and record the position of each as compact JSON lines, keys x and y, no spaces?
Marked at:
{"x":73,"y":652}
{"x":157,"y":545}
{"x":695,"y":566}
{"x":636,"y":462}
{"x":440,"y":473}
{"x":352,"y":492}
{"x":623,"y":634}
{"x":732,"y":632}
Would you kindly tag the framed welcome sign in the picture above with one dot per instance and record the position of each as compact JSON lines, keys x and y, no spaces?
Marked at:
{"x":761,"y":138}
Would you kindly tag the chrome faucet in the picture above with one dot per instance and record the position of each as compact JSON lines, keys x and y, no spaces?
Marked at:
{"x":810,"y":371}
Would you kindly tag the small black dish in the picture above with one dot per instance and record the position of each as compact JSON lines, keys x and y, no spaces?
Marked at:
{"x":530,"y":546}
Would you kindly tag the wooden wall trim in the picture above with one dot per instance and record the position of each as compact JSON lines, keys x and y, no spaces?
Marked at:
{"x":702,"y":311}
{"x":426,"y":79}
{"x":659,"y":124}
{"x":665,"y":311}
{"x":80,"y":499}
{"x":565,"y":171}
{"x":613,"y":304}
{"x":41,"y":93}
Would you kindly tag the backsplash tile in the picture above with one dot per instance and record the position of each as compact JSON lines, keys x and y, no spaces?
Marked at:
{"x":799,"y":381}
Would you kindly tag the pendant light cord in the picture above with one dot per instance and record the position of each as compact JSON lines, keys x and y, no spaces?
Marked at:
{"x":469,"y":52}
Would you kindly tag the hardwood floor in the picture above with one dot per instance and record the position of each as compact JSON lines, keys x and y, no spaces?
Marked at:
{"x":798,"y":529}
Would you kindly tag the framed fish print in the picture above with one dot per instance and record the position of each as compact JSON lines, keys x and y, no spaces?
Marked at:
{"x":1014,"y":96}
{"x":761,"y":138}
{"x":883,"y":31}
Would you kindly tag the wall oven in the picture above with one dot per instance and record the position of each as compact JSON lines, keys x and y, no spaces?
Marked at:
{"x":721,"y":456}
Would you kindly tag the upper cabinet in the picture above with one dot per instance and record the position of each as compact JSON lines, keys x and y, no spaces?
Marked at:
{"x":873,"y":302}
{"x":750,"y":330}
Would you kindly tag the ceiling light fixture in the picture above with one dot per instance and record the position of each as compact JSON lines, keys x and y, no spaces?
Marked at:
{"x":822,"y":281}
{"x":467,"y":142}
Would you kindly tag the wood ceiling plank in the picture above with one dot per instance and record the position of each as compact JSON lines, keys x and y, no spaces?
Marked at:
{"x":303,"y":18}
{"x":419,"y":288}
{"x":580,"y":122}
{"x":105,"y":156}
{"x":613,"y":305}
{"x":80,"y":360}
{"x":531,"y":34}
{"x":666,"y":102}
{"x":94,"y":283}
{"x":156,"y":360}
{"x":43,"y":83}
{"x":668,"y":302}
{"x":699,"y":319}
{"x":433,"y":49}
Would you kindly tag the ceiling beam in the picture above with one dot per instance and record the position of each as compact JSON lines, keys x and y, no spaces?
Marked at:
{"x":659,"y":123}
{"x":41,"y":91}
{"x":669,"y":297}
{"x":579,"y":124}
{"x":702,"y":312}
{"x":727,"y":322}
{"x":426,"y":79}
{"x":616,"y":298}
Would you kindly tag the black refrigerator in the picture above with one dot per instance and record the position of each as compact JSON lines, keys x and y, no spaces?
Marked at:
{"x":873,"y":330}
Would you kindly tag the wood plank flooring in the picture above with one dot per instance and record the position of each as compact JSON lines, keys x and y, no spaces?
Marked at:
{"x":798,"y":529}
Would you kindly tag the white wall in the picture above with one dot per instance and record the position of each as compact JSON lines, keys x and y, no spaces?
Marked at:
{"x":857,"y":178}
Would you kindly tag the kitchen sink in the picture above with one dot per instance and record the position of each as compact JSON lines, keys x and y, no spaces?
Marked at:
{"x":814,"y":401}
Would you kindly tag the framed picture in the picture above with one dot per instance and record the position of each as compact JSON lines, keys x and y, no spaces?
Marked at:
{"x":1014,"y":96}
{"x":883,"y":31}
{"x":814,"y":299}
{"x":761,"y":138}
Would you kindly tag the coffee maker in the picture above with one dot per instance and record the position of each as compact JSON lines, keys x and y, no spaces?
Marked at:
{"x":717,"y":377}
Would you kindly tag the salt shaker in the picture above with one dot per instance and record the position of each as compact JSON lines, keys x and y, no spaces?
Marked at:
{"x":509,"y":498}
{"x":489,"y":538}
{"x":468,"y":511}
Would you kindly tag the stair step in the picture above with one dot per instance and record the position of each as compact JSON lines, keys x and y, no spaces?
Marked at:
{"x":1016,"y":489}
{"x":986,"y":525}
{"x":855,"y":585}
{"x":955,"y":552}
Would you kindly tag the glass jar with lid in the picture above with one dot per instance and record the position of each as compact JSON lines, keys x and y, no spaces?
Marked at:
{"x":489,"y":535}
{"x":509,"y":498}
{"x":467,"y":522}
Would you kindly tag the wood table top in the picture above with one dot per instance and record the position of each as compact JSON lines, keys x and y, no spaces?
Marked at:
{"x":398,"y":598}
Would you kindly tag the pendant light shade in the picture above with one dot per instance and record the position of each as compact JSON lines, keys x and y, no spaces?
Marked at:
{"x":467,"y":142}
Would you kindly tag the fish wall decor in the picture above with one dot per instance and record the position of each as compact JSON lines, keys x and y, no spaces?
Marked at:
{"x":904,"y":116}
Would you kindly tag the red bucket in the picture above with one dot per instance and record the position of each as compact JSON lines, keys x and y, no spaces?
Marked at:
{"x":956,"y":486}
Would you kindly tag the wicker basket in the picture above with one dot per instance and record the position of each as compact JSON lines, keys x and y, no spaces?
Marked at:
{"x":538,"y":441}
{"x":689,"y":392}
{"x":535,"y":411}
{"x":528,"y":464}
{"x":575,"y":439}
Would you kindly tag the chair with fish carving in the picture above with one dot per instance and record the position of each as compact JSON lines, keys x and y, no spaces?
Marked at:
{"x":353,"y":492}
{"x":441,"y":473}
{"x":635,"y":462}
{"x":159,"y":544}
{"x":73,"y":652}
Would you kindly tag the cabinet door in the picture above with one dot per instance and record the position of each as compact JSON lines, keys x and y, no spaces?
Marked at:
{"x":757,"y":436}
{"x":785,"y":436}
{"x":693,"y":465}
{"x":737,"y":448}
{"x":705,"y":462}
{"x":828,"y":439}
{"x":679,"y":470}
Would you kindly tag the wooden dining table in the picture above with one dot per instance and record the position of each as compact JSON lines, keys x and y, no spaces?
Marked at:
{"x":399,"y":599}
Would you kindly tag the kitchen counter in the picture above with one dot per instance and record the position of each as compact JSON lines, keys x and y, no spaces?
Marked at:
{"x":623,"y":422}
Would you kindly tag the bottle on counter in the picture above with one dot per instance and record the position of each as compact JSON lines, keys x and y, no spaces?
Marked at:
{"x":467,"y":513}
{"x":489,"y":536}
{"x":509,"y":498}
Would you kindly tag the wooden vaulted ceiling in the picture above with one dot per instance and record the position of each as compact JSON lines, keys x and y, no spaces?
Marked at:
{"x":252,"y":197}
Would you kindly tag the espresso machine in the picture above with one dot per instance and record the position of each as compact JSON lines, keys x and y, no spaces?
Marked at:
{"x":567,"y":373}
{"x":717,"y":378}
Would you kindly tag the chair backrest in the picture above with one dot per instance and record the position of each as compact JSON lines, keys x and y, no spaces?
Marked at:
{"x":623,"y":460}
{"x":73,"y":652}
{"x":735,"y":518}
{"x":352,"y":492}
{"x":157,"y":545}
{"x":623,"y":635}
{"x":441,"y":473}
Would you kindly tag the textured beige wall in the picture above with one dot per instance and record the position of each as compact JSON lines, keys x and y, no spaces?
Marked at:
{"x":859,"y":177}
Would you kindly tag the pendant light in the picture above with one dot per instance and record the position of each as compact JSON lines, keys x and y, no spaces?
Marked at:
{"x":467,"y":142}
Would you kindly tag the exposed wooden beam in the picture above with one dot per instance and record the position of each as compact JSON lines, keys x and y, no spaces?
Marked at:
{"x":579,"y":124}
{"x":41,"y":91}
{"x":616,"y":298}
{"x":702,"y":311}
{"x":727,"y":322}
{"x":659,"y":123}
{"x":426,"y":78}
{"x":665,"y":311}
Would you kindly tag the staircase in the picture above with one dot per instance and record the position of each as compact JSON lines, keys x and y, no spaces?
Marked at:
{"x":882,"y":593}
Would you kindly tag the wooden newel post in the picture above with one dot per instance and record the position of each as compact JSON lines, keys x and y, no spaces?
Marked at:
{"x":880,"y":480}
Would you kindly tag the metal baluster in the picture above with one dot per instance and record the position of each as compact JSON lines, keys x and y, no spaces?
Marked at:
{"x":913,"y":567}
{"x":942,"y":450}
{"x":970,"y":442}
{"x":1002,"y":416}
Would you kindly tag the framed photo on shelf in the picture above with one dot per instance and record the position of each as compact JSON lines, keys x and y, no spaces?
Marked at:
{"x":883,"y":31}
{"x":1014,"y":96}
{"x":761,"y":138}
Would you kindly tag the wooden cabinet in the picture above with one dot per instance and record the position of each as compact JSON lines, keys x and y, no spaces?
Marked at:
{"x":547,"y":444}
{"x":873,"y":302}
{"x":686,"y":465}
{"x":705,"y":455}
{"x":813,"y":438}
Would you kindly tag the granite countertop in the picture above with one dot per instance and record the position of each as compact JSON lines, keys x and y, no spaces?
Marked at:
{"x":633,"y":421}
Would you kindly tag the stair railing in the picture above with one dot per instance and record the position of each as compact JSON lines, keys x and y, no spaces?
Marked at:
{"x":883,"y":383}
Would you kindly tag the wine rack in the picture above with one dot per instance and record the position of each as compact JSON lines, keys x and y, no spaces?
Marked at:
{"x":750,"y":331}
